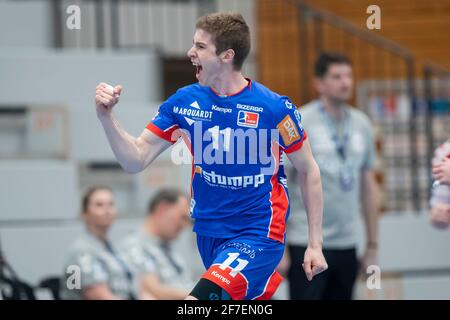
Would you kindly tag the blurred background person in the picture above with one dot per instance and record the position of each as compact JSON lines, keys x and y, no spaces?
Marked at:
{"x":342,"y":141}
{"x":104,"y":274}
{"x":440,"y":194}
{"x":162,"y":272}
{"x":441,"y":163}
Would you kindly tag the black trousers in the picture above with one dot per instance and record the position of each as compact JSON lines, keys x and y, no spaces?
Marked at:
{"x":336,"y":283}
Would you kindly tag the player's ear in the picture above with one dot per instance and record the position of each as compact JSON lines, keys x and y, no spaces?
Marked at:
{"x":227,"y":56}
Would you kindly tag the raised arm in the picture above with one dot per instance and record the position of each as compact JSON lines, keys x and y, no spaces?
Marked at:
{"x":133,"y":154}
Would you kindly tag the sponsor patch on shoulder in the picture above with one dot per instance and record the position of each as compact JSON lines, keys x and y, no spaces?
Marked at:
{"x":288,"y":131}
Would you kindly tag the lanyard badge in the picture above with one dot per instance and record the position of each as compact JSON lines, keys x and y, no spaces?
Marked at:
{"x":346,"y":174}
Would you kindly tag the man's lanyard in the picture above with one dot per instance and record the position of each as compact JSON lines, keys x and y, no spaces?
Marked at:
{"x":123,"y":266}
{"x":167,"y":252}
{"x":340,"y":144}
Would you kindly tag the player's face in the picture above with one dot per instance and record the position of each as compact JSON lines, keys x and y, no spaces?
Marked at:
{"x":174,"y":218}
{"x":203,"y":56}
{"x":337,"y":83}
{"x":101,"y":210}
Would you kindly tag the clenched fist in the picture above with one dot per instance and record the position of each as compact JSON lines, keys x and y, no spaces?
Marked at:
{"x":314,"y":262}
{"x":106,"y":97}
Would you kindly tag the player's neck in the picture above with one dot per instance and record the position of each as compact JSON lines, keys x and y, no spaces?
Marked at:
{"x":229,"y":83}
{"x":334,"y":108}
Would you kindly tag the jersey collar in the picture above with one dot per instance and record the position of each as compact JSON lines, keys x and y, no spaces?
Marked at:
{"x":249,"y":85}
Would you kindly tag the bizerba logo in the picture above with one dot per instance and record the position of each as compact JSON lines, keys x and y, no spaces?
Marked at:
{"x":232,"y":182}
{"x":195,"y":113}
{"x":249,"y":108}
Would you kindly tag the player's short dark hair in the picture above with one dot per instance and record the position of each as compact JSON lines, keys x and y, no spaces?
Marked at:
{"x":170,"y":196}
{"x":88,"y":194}
{"x":229,"y":31}
{"x":326,"y":59}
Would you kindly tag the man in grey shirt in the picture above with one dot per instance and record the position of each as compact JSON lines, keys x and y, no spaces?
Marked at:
{"x":342,"y":143}
{"x":94,"y":269}
{"x":162,"y":273}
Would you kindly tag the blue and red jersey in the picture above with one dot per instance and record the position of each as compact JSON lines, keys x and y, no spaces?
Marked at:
{"x":238,"y":182}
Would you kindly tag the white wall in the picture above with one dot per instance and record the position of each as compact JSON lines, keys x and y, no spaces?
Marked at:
{"x":25,"y":24}
{"x":51,"y":76}
{"x":37,"y":190}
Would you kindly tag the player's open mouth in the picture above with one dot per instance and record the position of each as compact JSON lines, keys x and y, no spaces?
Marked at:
{"x":198,"y":69}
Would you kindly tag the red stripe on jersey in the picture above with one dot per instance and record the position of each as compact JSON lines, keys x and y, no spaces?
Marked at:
{"x":279,"y":202}
{"x":236,"y":286}
{"x":271,"y":286}
{"x":164,"y":134}
{"x":298,"y":145}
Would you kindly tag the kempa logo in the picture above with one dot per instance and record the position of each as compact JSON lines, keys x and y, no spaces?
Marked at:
{"x":221,"y":277}
{"x":233,"y":182}
{"x":221,"y":109}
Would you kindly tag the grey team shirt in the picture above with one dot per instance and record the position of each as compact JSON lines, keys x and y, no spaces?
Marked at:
{"x":340,"y":207}
{"x":148,"y":254}
{"x":96,"y":265}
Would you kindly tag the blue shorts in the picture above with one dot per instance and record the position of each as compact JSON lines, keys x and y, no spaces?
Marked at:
{"x":243,"y":266}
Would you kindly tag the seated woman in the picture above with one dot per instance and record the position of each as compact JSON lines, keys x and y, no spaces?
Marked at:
{"x":94,"y":269}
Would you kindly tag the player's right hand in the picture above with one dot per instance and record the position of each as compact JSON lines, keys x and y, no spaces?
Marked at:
{"x":106,"y":97}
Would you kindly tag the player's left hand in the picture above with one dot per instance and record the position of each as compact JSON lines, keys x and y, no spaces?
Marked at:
{"x":441,"y":171}
{"x":369,"y":258}
{"x":314,"y":262}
